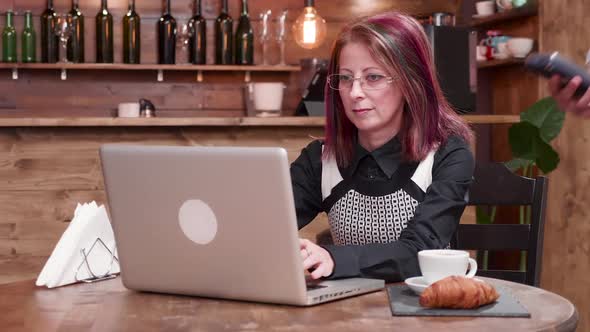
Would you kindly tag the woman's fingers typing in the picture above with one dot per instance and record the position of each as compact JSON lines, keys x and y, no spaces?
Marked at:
{"x":316,"y":259}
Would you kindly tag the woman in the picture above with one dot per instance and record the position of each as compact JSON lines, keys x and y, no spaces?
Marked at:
{"x":395,"y":166}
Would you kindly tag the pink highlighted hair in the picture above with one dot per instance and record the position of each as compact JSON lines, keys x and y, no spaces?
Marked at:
{"x":399,"y":44}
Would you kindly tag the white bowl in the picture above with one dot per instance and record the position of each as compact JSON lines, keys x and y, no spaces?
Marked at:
{"x":520,"y":47}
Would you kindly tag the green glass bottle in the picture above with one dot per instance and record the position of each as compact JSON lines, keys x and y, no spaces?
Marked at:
{"x":49,"y":40}
{"x":166,"y":36}
{"x":76,"y":40}
{"x":104,"y":34}
{"x":198,"y":39}
{"x":224,"y":37}
{"x":9,"y":39}
{"x":244,"y":38}
{"x":131,"y":35}
{"x":28,"y":45}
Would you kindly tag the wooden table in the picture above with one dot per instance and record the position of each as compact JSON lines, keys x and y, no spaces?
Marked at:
{"x":108,"y":306}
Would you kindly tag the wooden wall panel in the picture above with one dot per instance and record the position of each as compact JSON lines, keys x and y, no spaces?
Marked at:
{"x":44,"y":172}
{"x":566,"y":258}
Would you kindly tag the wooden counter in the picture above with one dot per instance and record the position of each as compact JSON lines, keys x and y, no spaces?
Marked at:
{"x":207,"y":121}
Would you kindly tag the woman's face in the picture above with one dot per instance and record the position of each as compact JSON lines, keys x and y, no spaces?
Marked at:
{"x":375,"y":113}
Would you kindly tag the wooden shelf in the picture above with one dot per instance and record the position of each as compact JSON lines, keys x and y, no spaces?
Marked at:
{"x":507,"y":15}
{"x":121,"y":66}
{"x":209,"y":121}
{"x":499,"y":63}
{"x":199,"y":69}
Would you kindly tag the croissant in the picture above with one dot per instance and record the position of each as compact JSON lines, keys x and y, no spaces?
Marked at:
{"x":458,"y":293}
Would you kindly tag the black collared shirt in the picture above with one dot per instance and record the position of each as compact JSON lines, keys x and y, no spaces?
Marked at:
{"x":435,"y":218}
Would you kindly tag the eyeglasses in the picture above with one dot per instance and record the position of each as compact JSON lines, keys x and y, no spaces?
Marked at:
{"x":368,"y":81}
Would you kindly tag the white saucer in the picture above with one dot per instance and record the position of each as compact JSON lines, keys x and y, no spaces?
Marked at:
{"x":417,"y":284}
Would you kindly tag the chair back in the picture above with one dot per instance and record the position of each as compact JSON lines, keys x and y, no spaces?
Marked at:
{"x":494,"y":184}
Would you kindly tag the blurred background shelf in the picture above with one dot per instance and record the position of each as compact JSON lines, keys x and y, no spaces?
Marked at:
{"x":512,"y":14}
{"x":498,"y":63}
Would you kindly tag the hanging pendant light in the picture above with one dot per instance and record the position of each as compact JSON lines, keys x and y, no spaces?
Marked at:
{"x":309,"y":30}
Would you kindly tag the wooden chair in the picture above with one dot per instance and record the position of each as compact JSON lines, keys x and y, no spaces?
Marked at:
{"x":494,"y":184}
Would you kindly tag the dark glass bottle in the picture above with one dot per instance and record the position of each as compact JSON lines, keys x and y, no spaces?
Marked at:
{"x":244,"y":38}
{"x":166,"y":37}
{"x":49,"y":40}
{"x":76,"y":40}
{"x":131,"y":35}
{"x":224,"y":37}
{"x":9,"y":39}
{"x":198,"y":41}
{"x":104,"y":35}
{"x":28,"y":40}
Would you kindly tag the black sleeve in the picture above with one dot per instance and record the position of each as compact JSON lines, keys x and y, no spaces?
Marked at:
{"x":435,"y":220}
{"x":306,"y":175}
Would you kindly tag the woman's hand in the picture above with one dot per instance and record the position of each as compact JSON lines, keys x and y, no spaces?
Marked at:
{"x":316,"y":259}
{"x":565,"y":98}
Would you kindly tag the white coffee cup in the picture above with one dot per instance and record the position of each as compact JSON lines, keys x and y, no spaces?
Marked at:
{"x":128,"y":110}
{"x":437,"y":264}
{"x":485,"y":8}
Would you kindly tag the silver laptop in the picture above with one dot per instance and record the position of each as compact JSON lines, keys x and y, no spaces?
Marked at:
{"x":211,"y":221}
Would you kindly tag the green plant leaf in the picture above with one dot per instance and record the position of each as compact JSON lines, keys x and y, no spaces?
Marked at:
{"x":545,"y":115}
{"x":481,"y":217}
{"x":527,"y":144}
{"x":522,"y":137}
{"x":518,"y":163}
{"x":547,"y":159}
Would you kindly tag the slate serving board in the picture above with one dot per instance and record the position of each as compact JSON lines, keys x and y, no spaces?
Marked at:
{"x":404,"y":302}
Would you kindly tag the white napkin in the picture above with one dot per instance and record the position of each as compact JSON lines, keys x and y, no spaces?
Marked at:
{"x":90,"y":223}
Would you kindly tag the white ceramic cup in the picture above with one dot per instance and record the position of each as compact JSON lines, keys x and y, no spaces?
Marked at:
{"x":128,"y":110}
{"x":520,"y":47}
{"x":437,"y":264}
{"x":268,"y":98}
{"x":484,"y":8}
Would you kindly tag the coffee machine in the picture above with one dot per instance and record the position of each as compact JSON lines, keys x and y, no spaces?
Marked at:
{"x":453,"y":51}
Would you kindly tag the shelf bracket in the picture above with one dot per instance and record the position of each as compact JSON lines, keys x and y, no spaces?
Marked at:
{"x":15,"y":73}
{"x":200,"y":76}
{"x":247,"y":77}
{"x":64,"y":74}
{"x":160,"y":77}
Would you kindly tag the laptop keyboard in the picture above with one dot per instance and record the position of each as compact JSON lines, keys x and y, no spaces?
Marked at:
{"x":312,"y":286}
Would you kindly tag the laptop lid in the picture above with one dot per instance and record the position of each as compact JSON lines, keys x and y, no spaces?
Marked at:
{"x":207,"y":221}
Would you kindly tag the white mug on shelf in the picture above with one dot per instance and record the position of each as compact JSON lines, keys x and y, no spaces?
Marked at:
{"x":268,"y":98}
{"x":484,"y":8}
{"x":504,"y":4}
{"x":128,"y":110}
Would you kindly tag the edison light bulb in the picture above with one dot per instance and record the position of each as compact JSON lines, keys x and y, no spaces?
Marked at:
{"x":309,"y":29}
